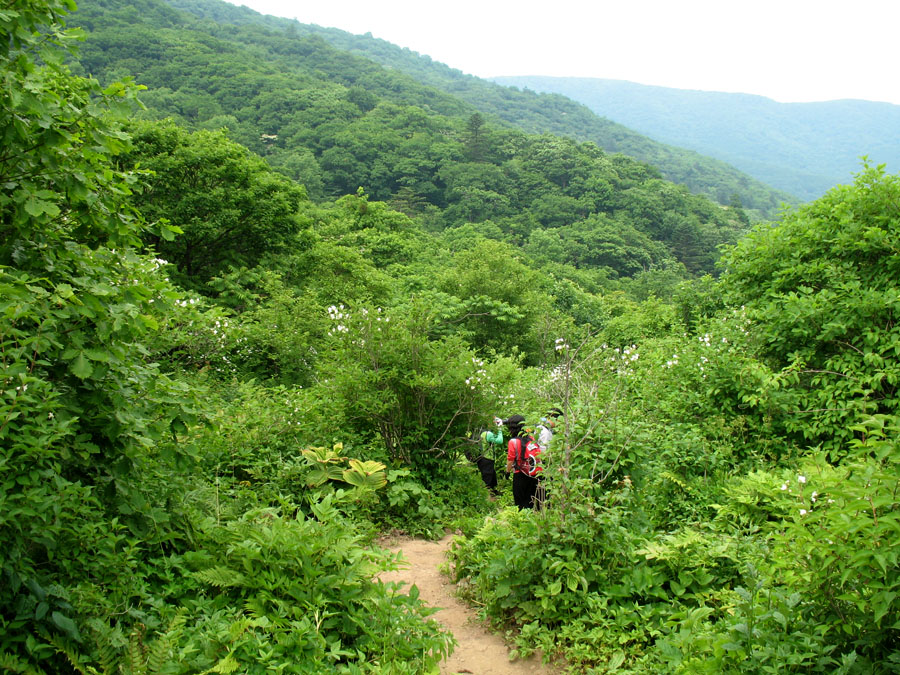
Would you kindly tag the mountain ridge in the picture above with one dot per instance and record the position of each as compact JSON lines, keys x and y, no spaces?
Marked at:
{"x":525,"y":110}
{"x":802,"y":148}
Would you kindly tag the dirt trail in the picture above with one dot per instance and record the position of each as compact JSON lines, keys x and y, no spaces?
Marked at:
{"x":479,"y":652}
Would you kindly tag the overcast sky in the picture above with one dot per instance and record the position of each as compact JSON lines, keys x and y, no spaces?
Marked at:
{"x":788,"y":50}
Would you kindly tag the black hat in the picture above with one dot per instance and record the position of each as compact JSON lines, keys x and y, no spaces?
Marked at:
{"x":514,"y":421}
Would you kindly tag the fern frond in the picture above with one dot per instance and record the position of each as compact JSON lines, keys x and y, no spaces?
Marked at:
{"x":685,"y":539}
{"x":162,"y":648}
{"x":108,"y":641}
{"x":674,"y":478}
{"x":108,"y":657}
{"x":134,"y":663}
{"x":221,"y":577}
{"x":73,"y":658}
{"x":226,"y":665}
{"x":239,"y":627}
{"x":12,"y":664}
{"x":261,"y":618}
{"x":255,"y":607}
{"x":671,"y":546}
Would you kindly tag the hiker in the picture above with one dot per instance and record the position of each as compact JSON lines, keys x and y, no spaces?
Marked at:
{"x":545,"y":432}
{"x":523,"y":456}
{"x":546,"y":427}
{"x":488,"y":442}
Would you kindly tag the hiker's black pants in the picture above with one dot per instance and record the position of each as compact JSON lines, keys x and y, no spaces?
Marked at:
{"x":488,"y":472}
{"x":524,"y":489}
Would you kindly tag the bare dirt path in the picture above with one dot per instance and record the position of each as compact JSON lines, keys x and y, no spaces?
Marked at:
{"x":479,"y":652}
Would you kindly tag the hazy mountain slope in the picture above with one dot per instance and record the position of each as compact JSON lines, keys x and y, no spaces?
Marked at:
{"x":337,"y":122}
{"x":526,"y":110}
{"x":803,"y":148}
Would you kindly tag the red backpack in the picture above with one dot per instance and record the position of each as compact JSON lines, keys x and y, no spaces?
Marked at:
{"x":528,"y":456}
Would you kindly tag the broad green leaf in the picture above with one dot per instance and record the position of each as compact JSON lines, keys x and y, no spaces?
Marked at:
{"x":322,"y":473}
{"x":66,"y":625}
{"x":38,"y":207}
{"x":81,"y":367}
{"x":365,"y":474}
{"x":617,"y":660}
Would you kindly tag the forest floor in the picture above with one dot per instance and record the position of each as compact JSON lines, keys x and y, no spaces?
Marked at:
{"x":479,"y":651}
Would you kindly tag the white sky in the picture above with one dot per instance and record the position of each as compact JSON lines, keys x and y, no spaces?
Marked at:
{"x":788,"y":50}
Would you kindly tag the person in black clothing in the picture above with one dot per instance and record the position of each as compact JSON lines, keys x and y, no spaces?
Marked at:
{"x":483,"y":458}
{"x":525,"y":478}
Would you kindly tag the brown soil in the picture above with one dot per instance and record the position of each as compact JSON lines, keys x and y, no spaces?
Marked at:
{"x":478,"y":651}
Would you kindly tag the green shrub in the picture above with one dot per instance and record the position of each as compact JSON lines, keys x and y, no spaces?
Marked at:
{"x":300,"y":594}
{"x":548,"y":573}
{"x":83,"y":406}
{"x":423,"y":505}
{"x":762,"y":631}
{"x":821,"y":289}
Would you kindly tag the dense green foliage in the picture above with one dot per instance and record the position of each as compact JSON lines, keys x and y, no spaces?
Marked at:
{"x":824,"y":283}
{"x":82,"y":406}
{"x":727,"y":498}
{"x":111,"y":526}
{"x":230,"y":207}
{"x":216,"y":392}
{"x":801,"y":148}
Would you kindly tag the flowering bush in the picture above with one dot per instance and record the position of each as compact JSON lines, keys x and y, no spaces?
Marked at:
{"x":418,"y":394}
{"x":839,"y":547}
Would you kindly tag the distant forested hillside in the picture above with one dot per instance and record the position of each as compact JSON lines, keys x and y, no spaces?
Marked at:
{"x":801,"y":148}
{"x":338,"y":123}
{"x":524,"y":110}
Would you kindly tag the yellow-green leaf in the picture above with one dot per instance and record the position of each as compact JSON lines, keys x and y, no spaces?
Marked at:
{"x":81,"y":367}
